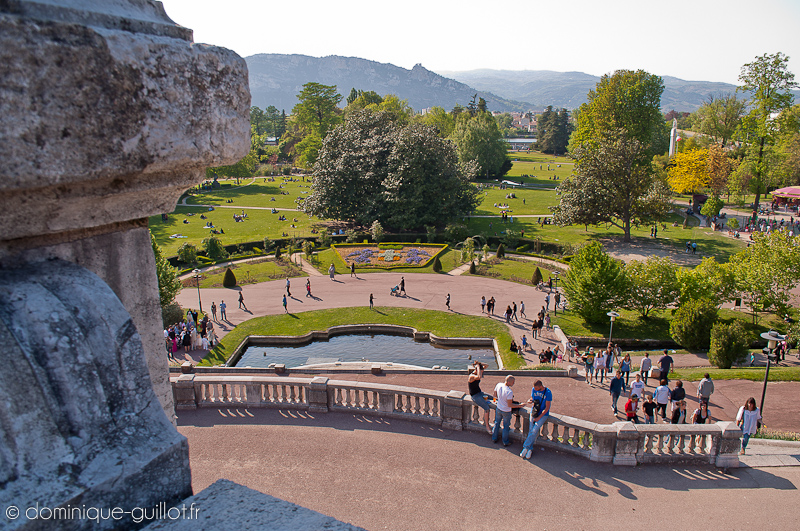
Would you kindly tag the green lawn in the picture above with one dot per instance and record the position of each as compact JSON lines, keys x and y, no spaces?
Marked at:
{"x":537,"y":202}
{"x":756,"y":374}
{"x":519,"y":269}
{"x":443,"y":324}
{"x":260,"y":270}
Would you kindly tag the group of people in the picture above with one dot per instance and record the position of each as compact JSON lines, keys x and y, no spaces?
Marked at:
{"x":502,"y":401}
{"x":190,"y":333}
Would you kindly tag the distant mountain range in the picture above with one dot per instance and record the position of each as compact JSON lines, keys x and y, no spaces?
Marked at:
{"x":276,"y":79}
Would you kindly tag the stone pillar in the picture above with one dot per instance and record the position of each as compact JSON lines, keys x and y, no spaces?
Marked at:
{"x":604,"y":443}
{"x":109,"y":113}
{"x":627,"y":444}
{"x":452,"y":411}
{"x":730,"y":442}
{"x":183,"y":391}
{"x":386,"y":401}
{"x":318,"y":395}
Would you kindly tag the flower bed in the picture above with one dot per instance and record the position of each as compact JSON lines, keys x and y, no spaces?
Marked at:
{"x":387,"y":256}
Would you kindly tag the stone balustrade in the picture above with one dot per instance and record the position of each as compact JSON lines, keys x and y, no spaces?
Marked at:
{"x":620,"y":443}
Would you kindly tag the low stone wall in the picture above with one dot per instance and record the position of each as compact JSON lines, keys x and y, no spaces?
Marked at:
{"x":620,"y":443}
{"x":387,"y":329}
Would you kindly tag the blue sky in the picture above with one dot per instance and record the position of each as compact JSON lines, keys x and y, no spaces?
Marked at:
{"x":690,"y":39}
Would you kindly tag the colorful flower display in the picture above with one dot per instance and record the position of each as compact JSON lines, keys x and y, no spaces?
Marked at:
{"x":388,"y":255}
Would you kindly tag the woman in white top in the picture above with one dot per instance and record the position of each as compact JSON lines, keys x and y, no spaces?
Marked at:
{"x":747,"y":419}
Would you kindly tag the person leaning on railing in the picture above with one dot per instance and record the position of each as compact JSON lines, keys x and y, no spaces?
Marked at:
{"x":478,"y":396}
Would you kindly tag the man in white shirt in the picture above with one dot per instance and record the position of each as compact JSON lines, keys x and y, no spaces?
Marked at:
{"x":661,"y":396}
{"x":505,"y":399}
{"x":600,"y":366}
{"x":637,"y":387}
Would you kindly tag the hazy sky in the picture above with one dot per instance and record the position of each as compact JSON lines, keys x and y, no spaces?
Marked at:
{"x":691,"y":39}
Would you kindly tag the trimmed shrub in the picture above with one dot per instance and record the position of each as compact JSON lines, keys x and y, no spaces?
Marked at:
{"x":437,"y":265}
{"x":277,"y":252}
{"x":205,"y":260}
{"x":171,"y":314}
{"x":537,"y":277}
{"x":729,"y":345}
{"x":472,"y":269}
{"x":324,"y":238}
{"x":733,"y":223}
{"x":229,"y":280}
{"x":430,"y":233}
{"x":455,"y":232}
{"x":187,"y":253}
{"x":214,"y":248}
{"x":377,"y":231}
{"x":691,"y":325}
{"x":501,"y":251}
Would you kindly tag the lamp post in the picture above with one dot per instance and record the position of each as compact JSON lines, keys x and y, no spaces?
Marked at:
{"x":197,"y":278}
{"x":555,"y":308}
{"x":772,"y":338}
{"x":613,"y":316}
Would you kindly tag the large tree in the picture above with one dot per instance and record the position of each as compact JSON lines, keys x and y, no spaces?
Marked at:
{"x":373,"y":168}
{"x":478,"y":138}
{"x":629,"y":101}
{"x":595,"y":283}
{"x":553,"y":130}
{"x":770,"y":83}
{"x":317,"y":111}
{"x":614,"y":182}
{"x":688,"y":171}
{"x":720,"y":116}
{"x":652,"y":284}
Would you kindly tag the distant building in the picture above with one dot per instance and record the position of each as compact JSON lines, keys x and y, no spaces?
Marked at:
{"x":520,"y":144}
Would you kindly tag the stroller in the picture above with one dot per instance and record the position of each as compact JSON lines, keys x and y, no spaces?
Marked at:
{"x":395,"y":291}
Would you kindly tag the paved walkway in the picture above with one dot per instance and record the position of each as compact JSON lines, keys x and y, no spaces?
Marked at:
{"x":392,"y":474}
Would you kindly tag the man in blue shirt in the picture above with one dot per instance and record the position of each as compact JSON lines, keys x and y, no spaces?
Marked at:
{"x":540,"y":401}
{"x":616,"y":387}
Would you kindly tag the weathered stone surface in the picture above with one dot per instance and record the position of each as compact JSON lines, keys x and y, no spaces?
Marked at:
{"x":80,"y":424}
{"x":226,"y":506}
{"x":104,"y":125}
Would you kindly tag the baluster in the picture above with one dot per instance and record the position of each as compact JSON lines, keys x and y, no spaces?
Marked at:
{"x":399,"y":404}
{"x":416,"y":405}
{"x":437,"y":408}
{"x":517,"y":426}
{"x":476,"y":416}
{"x":585,"y":442}
{"x":426,"y":407}
{"x":225,"y":397}
{"x":553,"y":431}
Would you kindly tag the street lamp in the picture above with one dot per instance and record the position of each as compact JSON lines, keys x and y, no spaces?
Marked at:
{"x":555,"y":310}
{"x":772,"y":338}
{"x":197,"y":278}
{"x":613,"y":316}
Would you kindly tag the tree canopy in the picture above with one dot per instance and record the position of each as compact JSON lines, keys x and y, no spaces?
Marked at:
{"x":769,"y":81}
{"x":688,"y":171}
{"x":614,"y":182}
{"x":594,"y":283}
{"x":629,"y":101}
{"x":720,"y":116}
{"x":478,"y":138}
{"x":373,"y":168}
{"x":553,"y":129}
{"x":317,"y":111}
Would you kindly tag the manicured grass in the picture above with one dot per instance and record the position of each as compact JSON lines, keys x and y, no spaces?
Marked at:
{"x":442,"y":324}
{"x":323,"y":260}
{"x":518,"y":269}
{"x":259,"y":223}
{"x":255,"y":192}
{"x":756,"y":374}
{"x":537,"y":202}
{"x":260,"y":270}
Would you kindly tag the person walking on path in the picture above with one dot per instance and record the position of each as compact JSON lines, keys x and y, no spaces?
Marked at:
{"x":308,"y":287}
{"x":241,"y":301}
{"x":285,"y":309}
{"x":677,"y":395}
{"x":522,"y":309}
{"x":694,"y":247}
{"x":331,"y":271}
{"x":649,"y":408}
{"x":213,"y":311}
{"x":505,"y":402}
{"x":631,"y":406}
{"x":514,"y":311}
{"x":637,"y":387}
{"x":705,"y":389}
{"x":371,"y":299}
{"x":615,"y":388}
{"x":625,"y":367}
{"x":288,"y":284}
{"x":540,"y":401}
{"x":353,"y":270}
{"x":222,"y":308}
{"x":403,"y":285}
{"x":600,"y":367}
{"x":490,"y":306}
{"x":647,"y":364}
{"x":547,"y":302}
{"x":661,"y":395}
{"x":557,"y":299}
{"x":483,"y":304}
{"x":508,"y":314}
{"x":447,"y":301}
{"x":665,"y":363}
{"x":478,"y":396}
{"x":588,"y":360}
